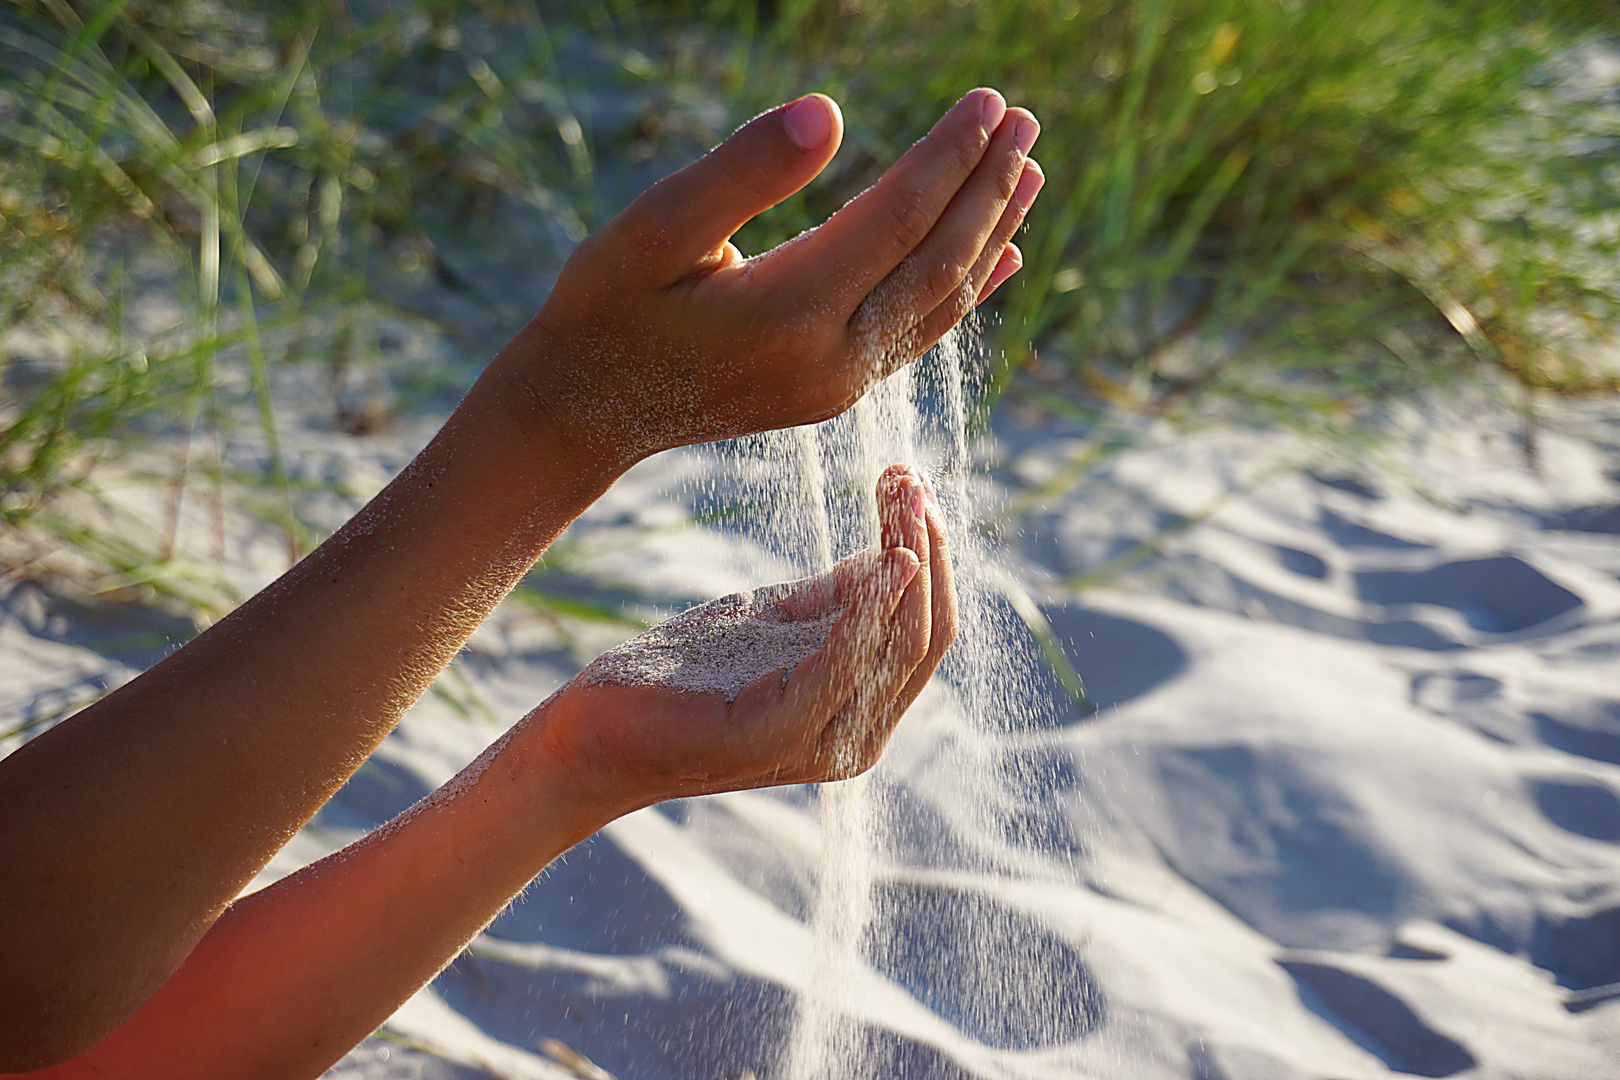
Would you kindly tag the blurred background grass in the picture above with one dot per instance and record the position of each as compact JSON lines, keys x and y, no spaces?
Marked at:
{"x":1271,"y":211}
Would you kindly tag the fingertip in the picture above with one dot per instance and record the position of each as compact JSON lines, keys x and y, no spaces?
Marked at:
{"x":837,"y":116}
{"x":688,"y":218}
{"x":1010,"y":262}
{"x":891,"y":499}
{"x":1030,"y":182}
{"x":916,"y":527}
{"x":894,"y":484}
{"x":892,"y":476}
{"x":918,"y":500}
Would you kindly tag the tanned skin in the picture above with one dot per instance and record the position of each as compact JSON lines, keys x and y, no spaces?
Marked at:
{"x":127,"y":831}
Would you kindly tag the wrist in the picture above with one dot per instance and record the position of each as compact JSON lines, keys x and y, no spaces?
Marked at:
{"x":546,"y":373}
{"x":570,"y":740}
{"x":567,"y":788}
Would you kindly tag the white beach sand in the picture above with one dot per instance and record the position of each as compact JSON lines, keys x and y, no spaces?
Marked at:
{"x":1348,"y":807}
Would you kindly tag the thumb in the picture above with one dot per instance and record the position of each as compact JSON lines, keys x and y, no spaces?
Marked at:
{"x":683,"y":222}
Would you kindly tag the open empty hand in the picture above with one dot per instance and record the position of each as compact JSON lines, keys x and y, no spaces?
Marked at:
{"x":630,"y":743}
{"x":660,"y":333}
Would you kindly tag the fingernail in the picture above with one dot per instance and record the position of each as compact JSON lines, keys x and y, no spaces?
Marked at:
{"x":995,"y":107}
{"x":1029,"y":185}
{"x":1026,"y":134}
{"x":808,"y":123}
{"x":919,"y":504}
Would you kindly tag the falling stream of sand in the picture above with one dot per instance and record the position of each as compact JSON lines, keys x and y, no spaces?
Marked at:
{"x":917,"y":416}
{"x":880,"y":433}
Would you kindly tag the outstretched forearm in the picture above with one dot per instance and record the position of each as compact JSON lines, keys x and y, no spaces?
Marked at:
{"x":290,"y":978}
{"x":127,"y":829}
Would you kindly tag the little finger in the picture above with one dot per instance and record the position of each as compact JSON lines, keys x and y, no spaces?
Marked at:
{"x":993,"y":259}
{"x":994,"y":255}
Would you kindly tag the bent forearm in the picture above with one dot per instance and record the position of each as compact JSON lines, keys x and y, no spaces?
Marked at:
{"x":128,"y":828}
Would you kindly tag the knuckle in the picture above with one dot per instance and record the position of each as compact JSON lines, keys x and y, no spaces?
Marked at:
{"x":962,"y":301}
{"x":742,"y":172}
{"x":968,"y":151}
{"x":1007,"y":181}
{"x":942,"y":278}
{"x":910,"y":219}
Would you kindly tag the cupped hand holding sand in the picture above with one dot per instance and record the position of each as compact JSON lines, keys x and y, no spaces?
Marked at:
{"x":660,"y":333}
{"x":796,"y":683}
